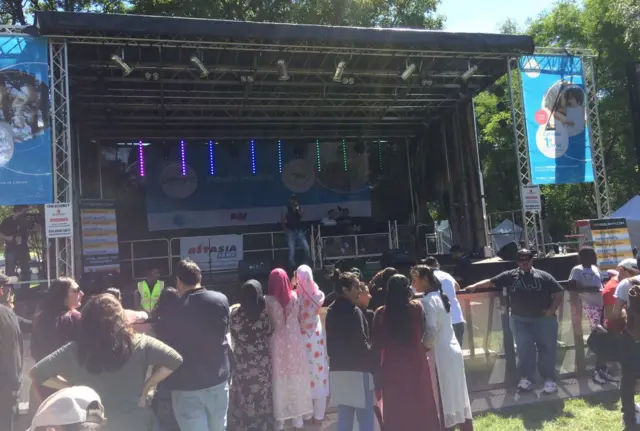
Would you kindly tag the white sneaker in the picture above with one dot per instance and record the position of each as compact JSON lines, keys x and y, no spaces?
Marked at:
{"x":525,"y":384}
{"x":550,"y":387}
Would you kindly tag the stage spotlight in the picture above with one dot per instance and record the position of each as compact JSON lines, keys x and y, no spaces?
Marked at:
{"x":351,"y":81}
{"x":147,"y":76}
{"x":282,"y":70}
{"x":469,"y":73}
{"x":126,"y":69}
{"x":337,"y":76}
{"x":408,"y":71}
{"x":204,"y":72}
{"x":426,"y":82}
{"x":359,"y":148}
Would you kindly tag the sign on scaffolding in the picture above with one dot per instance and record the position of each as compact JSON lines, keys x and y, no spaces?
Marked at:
{"x":611,"y":241}
{"x":58,"y":220}
{"x":531,"y":200}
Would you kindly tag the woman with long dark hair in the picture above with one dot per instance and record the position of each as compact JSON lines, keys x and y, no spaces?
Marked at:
{"x":439,"y":336}
{"x":250,"y":399}
{"x":55,"y":323}
{"x":108,"y":357}
{"x":408,"y":401}
{"x":378,"y":287}
{"x":352,"y":365}
{"x":291,"y":391}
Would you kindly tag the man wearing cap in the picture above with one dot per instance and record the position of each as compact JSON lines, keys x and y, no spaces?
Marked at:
{"x":77,"y":408}
{"x":613,"y":306}
{"x":534,"y":298}
{"x":11,"y":353}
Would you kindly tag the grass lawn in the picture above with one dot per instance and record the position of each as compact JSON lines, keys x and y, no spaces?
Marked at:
{"x":597,"y":413}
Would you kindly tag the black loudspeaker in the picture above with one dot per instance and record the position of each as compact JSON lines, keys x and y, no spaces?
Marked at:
{"x":509,"y":251}
{"x":397,"y":258}
{"x":254,"y":267}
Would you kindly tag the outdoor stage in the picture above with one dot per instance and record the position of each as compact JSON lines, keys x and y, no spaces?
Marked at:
{"x":178,"y":137}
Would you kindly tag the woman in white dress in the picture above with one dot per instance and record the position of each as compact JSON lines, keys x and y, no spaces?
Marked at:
{"x":311,"y":300}
{"x":439,"y":337}
{"x":291,"y":391}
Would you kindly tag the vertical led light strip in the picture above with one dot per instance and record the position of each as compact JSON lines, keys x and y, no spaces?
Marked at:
{"x":141,"y":159}
{"x":318,"y":156}
{"x":253,"y":157}
{"x":344,"y":155}
{"x":280,"y":156}
{"x":183,"y":159}
{"x":212,"y":159}
{"x":380,"y":155}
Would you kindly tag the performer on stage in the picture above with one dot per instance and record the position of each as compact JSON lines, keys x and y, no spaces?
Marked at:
{"x":14,"y":230}
{"x":291,"y":218}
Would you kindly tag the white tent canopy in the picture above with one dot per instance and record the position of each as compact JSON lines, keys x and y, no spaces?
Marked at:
{"x":506,"y":232}
{"x":631,"y":212}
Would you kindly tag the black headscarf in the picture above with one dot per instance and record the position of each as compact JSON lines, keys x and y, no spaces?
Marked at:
{"x":252,"y":300}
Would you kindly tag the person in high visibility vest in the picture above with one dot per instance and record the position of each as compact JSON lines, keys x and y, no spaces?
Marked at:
{"x":148,"y":291}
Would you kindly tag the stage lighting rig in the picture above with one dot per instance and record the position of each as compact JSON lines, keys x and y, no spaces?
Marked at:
{"x":426,"y":82}
{"x":408,"y":72}
{"x":204,"y":72}
{"x":126,"y":69}
{"x":282,"y":70}
{"x":469,"y":73}
{"x":337,"y":76}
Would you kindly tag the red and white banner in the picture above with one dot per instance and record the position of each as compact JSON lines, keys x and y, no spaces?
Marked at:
{"x":213,"y":253}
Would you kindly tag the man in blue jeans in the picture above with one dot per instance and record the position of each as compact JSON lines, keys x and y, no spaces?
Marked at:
{"x":291,"y":223}
{"x":200,"y":387}
{"x":534,"y":298}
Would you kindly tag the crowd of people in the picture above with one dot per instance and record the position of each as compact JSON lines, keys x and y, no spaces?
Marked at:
{"x":388,"y":349}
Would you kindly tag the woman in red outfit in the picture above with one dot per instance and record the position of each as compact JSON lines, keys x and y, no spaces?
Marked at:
{"x":408,"y":400}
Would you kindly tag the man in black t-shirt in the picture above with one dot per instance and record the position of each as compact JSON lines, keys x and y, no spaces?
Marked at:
{"x":534,"y":298}
{"x":291,"y":223}
{"x":11,"y":354}
{"x":15,"y":233}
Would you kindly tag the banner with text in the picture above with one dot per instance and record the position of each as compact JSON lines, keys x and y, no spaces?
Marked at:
{"x":213,"y":253}
{"x":100,"y":252}
{"x":611,"y":241}
{"x":25,"y":130}
{"x":247,"y":184}
{"x":555,"y":107}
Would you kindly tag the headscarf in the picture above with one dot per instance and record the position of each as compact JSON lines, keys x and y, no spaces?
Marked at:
{"x":252,"y":299}
{"x":396,"y":308}
{"x":280,"y":288}
{"x":312,"y":298}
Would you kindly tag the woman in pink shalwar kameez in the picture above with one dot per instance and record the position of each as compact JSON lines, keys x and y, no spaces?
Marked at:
{"x":312,"y":298}
{"x":291,"y":391}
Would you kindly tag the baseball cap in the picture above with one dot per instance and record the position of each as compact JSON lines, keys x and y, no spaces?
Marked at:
{"x":68,"y":406}
{"x":630,"y":264}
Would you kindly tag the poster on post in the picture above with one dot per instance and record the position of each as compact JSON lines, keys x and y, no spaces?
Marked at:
{"x":100,"y":252}
{"x":611,"y":241}
{"x":555,"y":110}
{"x":25,"y":130}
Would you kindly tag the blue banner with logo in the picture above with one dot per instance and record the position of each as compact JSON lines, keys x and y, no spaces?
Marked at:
{"x":555,"y":106}
{"x":236,"y":184}
{"x":25,"y":131}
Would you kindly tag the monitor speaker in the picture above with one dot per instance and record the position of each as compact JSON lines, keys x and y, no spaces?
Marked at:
{"x":508,"y":251}
{"x":397,"y":258}
{"x":254,"y":267}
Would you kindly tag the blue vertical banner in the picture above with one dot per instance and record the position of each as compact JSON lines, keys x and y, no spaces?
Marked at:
{"x":555,"y":108}
{"x":25,"y":131}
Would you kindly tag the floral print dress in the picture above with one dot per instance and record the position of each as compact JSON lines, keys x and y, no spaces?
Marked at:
{"x":250,"y":398}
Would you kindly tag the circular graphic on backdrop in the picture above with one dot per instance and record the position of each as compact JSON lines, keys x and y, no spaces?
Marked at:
{"x":6,"y":144}
{"x":178,"y":186}
{"x":532,"y":68}
{"x":298,"y":176}
{"x":552,"y":143}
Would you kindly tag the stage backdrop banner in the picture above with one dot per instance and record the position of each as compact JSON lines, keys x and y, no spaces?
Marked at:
{"x":100,"y":251}
{"x":235,"y":186}
{"x":213,"y":253}
{"x":555,"y":106}
{"x":25,"y":131}
{"x":611,"y":240}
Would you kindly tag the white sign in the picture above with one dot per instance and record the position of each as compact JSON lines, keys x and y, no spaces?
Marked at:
{"x":58,"y":220}
{"x":213,"y":253}
{"x":531,"y":201}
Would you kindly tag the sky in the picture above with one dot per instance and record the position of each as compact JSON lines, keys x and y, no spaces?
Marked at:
{"x":475,"y":16}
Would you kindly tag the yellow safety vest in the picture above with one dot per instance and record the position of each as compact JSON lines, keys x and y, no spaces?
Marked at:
{"x":149,"y":297}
